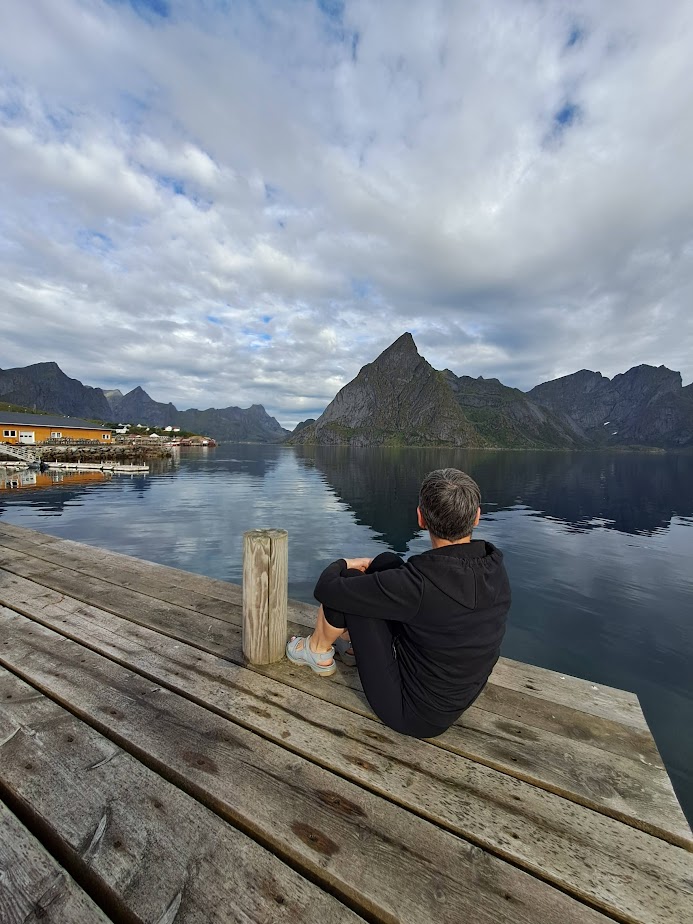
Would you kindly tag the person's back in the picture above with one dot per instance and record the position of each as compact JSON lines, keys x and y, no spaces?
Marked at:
{"x":448,"y":650}
{"x":426,"y":633}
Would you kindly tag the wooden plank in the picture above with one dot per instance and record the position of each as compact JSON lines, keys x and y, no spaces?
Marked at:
{"x":203,"y":595}
{"x":151,"y":852}
{"x":571,"y":722}
{"x":133,"y":574}
{"x":632,"y":790}
{"x":595,"y":699}
{"x":33,"y":886}
{"x":621,"y":870}
{"x":174,"y":621}
{"x":394,"y":865}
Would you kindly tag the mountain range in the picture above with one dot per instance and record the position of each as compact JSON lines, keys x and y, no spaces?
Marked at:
{"x":45,"y":387}
{"x":400,"y":399}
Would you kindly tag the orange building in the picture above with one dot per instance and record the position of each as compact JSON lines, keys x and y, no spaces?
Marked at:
{"x":37,"y":428}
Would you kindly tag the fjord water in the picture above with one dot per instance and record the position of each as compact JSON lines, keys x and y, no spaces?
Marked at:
{"x":598,"y":545}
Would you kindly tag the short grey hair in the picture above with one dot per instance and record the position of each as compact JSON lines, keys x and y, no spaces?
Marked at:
{"x":449,"y":500}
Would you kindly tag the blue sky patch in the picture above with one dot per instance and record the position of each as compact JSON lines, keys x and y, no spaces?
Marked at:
{"x":361,"y":288}
{"x":333,"y":9}
{"x":147,"y":9}
{"x":266,"y":318}
{"x":10,"y":109}
{"x":171,"y":182}
{"x":575,"y":36}
{"x":213,"y":320}
{"x":91,"y":241}
{"x":566,"y":115}
{"x":333,"y":12}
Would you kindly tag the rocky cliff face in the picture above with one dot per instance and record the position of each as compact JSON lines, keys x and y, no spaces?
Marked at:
{"x":114,"y":396}
{"x":137,"y":407}
{"x":251,"y":424}
{"x":401,"y":399}
{"x":646,"y":405}
{"x":397,"y":399}
{"x":507,"y":417}
{"x":45,"y":387}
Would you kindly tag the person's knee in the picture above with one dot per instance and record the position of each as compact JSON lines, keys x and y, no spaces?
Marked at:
{"x":384,"y":561}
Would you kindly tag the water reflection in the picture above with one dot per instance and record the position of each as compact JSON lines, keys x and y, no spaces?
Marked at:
{"x":635,"y":493}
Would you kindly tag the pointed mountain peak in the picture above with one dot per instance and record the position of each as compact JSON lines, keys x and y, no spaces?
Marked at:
{"x":403,"y":344}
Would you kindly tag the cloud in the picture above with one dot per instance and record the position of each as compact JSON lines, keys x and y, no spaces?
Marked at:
{"x":509,"y":181}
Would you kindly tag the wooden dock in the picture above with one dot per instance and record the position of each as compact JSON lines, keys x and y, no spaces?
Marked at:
{"x":148,"y":775}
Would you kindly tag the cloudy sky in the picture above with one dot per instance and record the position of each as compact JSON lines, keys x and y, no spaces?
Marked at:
{"x":235,"y":202}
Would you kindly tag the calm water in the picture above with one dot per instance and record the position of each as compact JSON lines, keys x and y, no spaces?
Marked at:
{"x":598,"y":546}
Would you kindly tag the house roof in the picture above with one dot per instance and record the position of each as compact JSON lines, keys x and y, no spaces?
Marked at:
{"x":46,"y":420}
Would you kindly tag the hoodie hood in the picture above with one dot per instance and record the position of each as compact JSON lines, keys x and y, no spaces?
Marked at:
{"x":466,"y":573}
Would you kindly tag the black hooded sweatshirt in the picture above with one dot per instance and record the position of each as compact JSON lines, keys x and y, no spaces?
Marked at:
{"x":450,"y":605}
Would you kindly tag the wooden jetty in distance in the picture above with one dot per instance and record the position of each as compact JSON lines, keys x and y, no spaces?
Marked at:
{"x":122,"y":468}
{"x":149,"y":773}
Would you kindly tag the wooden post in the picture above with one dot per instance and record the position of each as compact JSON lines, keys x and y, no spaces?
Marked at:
{"x":265,"y":593}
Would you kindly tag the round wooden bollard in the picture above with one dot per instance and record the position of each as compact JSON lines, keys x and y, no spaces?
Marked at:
{"x":265,"y":594}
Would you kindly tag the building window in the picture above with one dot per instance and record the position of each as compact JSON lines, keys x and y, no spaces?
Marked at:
{"x":56,"y":435}
{"x":106,"y":436}
{"x":9,"y":432}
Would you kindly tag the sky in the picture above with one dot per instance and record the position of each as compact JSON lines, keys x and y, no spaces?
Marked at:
{"x":235,"y":203}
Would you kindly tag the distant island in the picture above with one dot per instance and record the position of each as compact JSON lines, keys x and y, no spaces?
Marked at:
{"x":400,"y":399}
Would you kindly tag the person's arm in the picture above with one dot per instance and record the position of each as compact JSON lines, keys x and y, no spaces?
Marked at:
{"x":393,"y":594}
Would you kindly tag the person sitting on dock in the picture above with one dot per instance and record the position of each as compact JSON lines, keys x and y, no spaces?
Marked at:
{"x":425,"y":633}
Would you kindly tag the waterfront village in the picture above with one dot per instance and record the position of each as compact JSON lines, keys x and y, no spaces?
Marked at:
{"x":36,"y":449}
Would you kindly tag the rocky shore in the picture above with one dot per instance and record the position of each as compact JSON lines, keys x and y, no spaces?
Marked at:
{"x":86,"y":453}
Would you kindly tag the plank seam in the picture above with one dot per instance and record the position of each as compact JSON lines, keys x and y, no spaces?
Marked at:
{"x":64,"y":856}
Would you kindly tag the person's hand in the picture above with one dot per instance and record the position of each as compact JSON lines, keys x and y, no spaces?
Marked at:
{"x":359,"y":564}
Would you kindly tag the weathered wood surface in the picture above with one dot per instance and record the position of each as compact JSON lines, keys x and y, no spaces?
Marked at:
{"x":265,"y":581}
{"x":34,"y":888}
{"x":205,"y":594}
{"x":556,"y":775}
{"x":588,"y":855}
{"x":150,"y":851}
{"x":565,"y":758}
{"x":175,"y":621}
{"x":389,"y":863}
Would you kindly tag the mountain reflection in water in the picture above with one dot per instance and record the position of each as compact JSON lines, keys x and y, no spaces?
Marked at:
{"x":635,"y":493}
